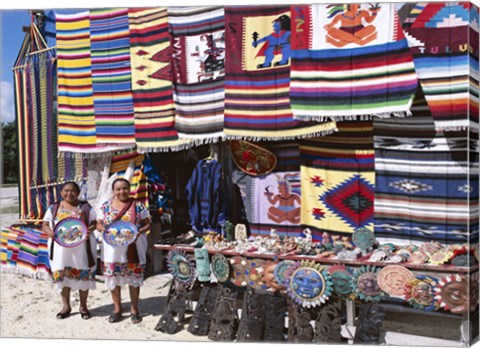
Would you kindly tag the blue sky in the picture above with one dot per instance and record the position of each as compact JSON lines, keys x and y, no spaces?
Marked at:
{"x":11,"y":40}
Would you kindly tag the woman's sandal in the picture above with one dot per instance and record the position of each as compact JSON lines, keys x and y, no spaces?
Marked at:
{"x":85,"y":314}
{"x":136,"y":318}
{"x":115,"y":317}
{"x":63,"y":315}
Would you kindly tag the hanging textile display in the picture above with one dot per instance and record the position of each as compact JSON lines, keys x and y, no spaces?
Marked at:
{"x":32,"y":110}
{"x":110,"y":59}
{"x":76,"y":120}
{"x":355,"y":64}
{"x":422,"y":182}
{"x":138,"y":182}
{"x":257,"y":82}
{"x":338,"y":180}
{"x":271,"y":201}
{"x":198,"y":56}
{"x":206,"y":201}
{"x":23,"y":124}
{"x":41,"y":70}
{"x":150,"y":52}
{"x":474,"y":42}
{"x":438,"y":40}
{"x":287,"y":154}
{"x":474,"y":115}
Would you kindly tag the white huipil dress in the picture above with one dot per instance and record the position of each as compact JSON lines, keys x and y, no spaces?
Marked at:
{"x":70,"y":265}
{"x":117,"y":271}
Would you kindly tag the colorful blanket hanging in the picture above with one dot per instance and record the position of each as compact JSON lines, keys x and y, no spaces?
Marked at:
{"x":76,"y":120}
{"x":41,"y":70}
{"x":111,"y":77}
{"x":257,"y":83}
{"x":138,"y":183}
{"x":338,"y":180}
{"x":198,"y":43}
{"x":355,"y":63}
{"x":287,"y":153}
{"x":474,"y":42}
{"x":152,"y":81}
{"x":272,"y":202}
{"x":24,"y":141}
{"x":422,"y":185}
{"x":438,"y":40}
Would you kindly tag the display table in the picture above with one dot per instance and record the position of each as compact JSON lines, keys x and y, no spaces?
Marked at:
{"x":363,"y":261}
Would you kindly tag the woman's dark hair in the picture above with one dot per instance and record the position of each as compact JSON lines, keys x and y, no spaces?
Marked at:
{"x":119,"y":179}
{"x":73,"y":183}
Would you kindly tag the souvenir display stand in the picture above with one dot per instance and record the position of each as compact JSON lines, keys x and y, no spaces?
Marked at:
{"x":460,"y":324}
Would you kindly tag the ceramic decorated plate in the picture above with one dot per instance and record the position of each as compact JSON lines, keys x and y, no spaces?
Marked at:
{"x":220,"y":267}
{"x":120,"y":233}
{"x":70,"y":232}
{"x":237,"y":275}
{"x":181,"y":266}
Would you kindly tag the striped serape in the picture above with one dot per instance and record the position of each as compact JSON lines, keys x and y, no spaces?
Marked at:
{"x":43,"y":263}
{"x":438,"y":40}
{"x":111,"y":77}
{"x":76,"y":120}
{"x":354,"y":64}
{"x":24,"y":251}
{"x":474,"y":42}
{"x":4,"y":235}
{"x":150,"y":55}
{"x":271,"y":202}
{"x":198,"y":43}
{"x":257,"y":77}
{"x":28,"y":253}
{"x":338,"y":180}
{"x":423,"y":188}
{"x":13,"y":247}
{"x":287,"y":153}
{"x":474,"y":113}
{"x":138,"y":183}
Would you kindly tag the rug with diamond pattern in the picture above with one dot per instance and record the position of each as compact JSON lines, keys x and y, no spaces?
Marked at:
{"x":338,"y":179}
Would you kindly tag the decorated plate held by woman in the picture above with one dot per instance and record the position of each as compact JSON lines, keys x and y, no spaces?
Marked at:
{"x":120,"y":233}
{"x":70,"y":232}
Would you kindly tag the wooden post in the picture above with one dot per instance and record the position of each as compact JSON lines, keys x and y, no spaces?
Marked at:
{"x":350,"y":317}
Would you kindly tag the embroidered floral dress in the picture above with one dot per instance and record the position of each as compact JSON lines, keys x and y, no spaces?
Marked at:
{"x":117,"y":271}
{"x":70,"y":265}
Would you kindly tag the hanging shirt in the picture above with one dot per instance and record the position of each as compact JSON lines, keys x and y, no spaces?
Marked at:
{"x":205,"y":197}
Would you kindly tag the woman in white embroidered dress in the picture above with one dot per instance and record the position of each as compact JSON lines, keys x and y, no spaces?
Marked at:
{"x":124,"y":265}
{"x":73,"y":268}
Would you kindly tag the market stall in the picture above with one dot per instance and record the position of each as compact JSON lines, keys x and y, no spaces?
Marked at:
{"x":307,"y":174}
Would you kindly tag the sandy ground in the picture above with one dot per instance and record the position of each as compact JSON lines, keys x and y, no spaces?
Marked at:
{"x":28,"y":308}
